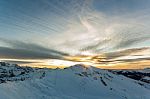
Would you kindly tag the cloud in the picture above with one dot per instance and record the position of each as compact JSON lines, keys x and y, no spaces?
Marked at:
{"x":130,"y":42}
{"x":29,"y":46}
{"x":81,"y":27}
{"x":126,"y":52}
{"x":13,"y":53}
{"x":18,"y":62}
{"x":121,"y":56}
{"x":96,"y":32}
{"x":95,"y":46}
{"x":22,"y":50}
{"x":133,"y":60}
{"x":130,"y":35}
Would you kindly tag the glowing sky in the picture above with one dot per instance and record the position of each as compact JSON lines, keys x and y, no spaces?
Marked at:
{"x":50,"y":33}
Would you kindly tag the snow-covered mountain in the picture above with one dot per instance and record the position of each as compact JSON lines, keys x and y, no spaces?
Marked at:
{"x":75,"y":82}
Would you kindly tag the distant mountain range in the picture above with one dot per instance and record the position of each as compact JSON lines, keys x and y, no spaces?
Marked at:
{"x":74,"y":82}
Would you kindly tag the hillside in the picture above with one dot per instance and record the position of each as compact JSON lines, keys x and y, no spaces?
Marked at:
{"x":75,"y":82}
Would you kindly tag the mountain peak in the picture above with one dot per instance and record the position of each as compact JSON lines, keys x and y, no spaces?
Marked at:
{"x":80,"y":66}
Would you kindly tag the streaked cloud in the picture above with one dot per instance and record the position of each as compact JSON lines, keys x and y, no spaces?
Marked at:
{"x":89,"y":31}
{"x":18,"y":62}
{"x":127,"y":52}
{"x":21,"y":50}
{"x":12,"y":53}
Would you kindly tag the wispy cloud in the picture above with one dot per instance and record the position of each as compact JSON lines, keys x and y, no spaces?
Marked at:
{"x":95,"y":32}
{"x":54,"y":29}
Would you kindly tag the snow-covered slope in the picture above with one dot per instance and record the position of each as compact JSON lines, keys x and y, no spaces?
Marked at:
{"x":75,"y":82}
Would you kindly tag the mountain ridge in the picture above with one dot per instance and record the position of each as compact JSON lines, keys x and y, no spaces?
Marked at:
{"x":75,"y":82}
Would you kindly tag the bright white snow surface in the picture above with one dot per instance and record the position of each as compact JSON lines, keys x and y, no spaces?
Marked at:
{"x":76,"y":82}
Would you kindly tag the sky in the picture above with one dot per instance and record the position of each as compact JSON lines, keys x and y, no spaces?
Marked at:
{"x":111,"y":34}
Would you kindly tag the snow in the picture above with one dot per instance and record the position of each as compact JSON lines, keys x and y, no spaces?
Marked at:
{"x":147,"y":78}
{"x":75,"y":82}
